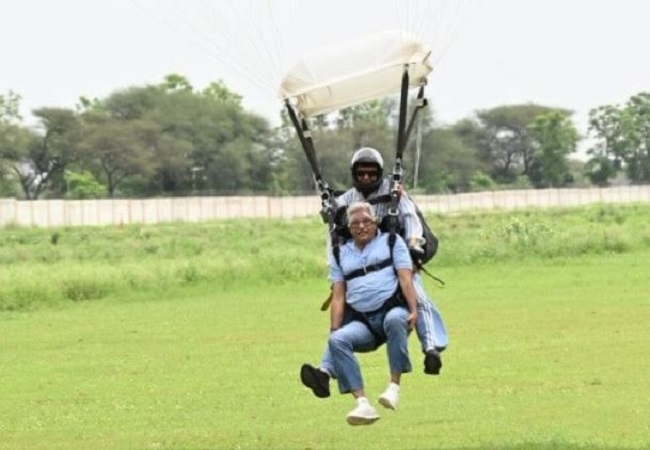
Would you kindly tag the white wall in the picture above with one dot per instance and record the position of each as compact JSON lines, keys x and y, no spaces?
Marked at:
{"x":50,"y":213}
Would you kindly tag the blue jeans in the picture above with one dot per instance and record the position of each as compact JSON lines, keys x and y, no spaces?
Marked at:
{"x":356,"y":337}
{"x":429,"y":327}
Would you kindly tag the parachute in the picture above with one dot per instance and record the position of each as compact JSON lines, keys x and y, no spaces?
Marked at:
{"x":359,"y":70}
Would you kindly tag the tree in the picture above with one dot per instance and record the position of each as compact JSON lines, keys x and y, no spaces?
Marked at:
{"x":39,"y":158}
{"x":82,"y":185}
{"x":10,"y":108}
{"x":553,"y":138}
{"x":623,"y":134}
{"x":373,"y":112}
{"x":13,"y":140}
{"x":170,"y":138}
{"x":175,"y":82}
{"x":117,"y":149}
{"x":600,"y":169}
{"x":447,"y":163}
{"x":507,"y":145}
{"x":219,"y":92}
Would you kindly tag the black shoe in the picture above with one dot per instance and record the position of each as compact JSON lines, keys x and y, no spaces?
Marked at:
{"x":316,"y":380}
{"x":432,"y":362}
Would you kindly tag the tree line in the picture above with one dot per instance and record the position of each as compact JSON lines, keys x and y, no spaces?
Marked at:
{"x":171,"y":139}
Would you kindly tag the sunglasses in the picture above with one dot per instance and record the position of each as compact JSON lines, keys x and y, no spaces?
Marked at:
{"x":372,"y":174}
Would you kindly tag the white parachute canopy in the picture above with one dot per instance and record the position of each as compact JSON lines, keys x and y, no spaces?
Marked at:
{"x":357,"y":71}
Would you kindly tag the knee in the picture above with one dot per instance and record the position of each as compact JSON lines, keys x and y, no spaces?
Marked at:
{"x":336,"y":341}
{"x":395,"y":321}
{"x":424,"y":305}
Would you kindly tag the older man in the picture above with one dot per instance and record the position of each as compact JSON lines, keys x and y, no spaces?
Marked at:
{"x":373,"y":280}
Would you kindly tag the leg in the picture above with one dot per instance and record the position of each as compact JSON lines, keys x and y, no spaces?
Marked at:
{"x":425,"y":325}
{"x":430,"y":329}
{"x":343,"y":343}
{"x":396,"y":330}
{"x":318,"y":378}
{"x":326,"y":362}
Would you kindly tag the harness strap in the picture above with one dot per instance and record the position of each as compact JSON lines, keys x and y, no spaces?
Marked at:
{"x":393,"y":301}
{"x":441,"y":283}
{"x":368,"y":269}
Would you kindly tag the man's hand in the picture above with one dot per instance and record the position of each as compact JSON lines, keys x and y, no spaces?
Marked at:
{"x":417,"y":254}
{"x":415,"y":249}
{"x":412,"y":318}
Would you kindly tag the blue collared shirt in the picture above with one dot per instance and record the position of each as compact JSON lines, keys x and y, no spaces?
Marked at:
{"x":369,"y":292}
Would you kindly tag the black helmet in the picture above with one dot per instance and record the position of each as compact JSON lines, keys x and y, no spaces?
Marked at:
{"x":367,"y":155}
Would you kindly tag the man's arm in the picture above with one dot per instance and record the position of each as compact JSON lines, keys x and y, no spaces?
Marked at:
{"x":338,"y":305}
{"x":406,"y":284}
{"x":413,"y":232}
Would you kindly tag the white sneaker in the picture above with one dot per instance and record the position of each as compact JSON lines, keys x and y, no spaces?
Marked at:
{"x":389,"y":398}
{"x":363,"y":414}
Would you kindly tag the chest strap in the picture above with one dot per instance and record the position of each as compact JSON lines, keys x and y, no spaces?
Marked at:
{"x":367,"y":269}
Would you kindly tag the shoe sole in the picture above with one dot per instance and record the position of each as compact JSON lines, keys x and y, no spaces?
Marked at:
{"x":383,"y":401}
{"x":309,"y":379}
{"x":358,"y":420}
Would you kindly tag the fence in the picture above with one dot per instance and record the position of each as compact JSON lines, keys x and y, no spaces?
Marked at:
{"x":52,"y":213}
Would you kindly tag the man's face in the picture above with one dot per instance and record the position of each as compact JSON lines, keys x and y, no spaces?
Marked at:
{"x":362,"y":227}
{"x":366,"y":174}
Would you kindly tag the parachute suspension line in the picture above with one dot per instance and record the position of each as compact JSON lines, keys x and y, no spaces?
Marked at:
{"x":209,"y":45}
{"x":263,"y":35}
{"x":437,"y":22}
{"x":277,"y":40}
{"x":235,"y":37}
{"x":304,"y":135}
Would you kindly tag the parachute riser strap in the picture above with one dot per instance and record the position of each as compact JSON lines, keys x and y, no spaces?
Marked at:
{"x":304,"y":135}
{"x":421,"y":104}
{"x":393,"y":209}
{"x":403,"y":107}
{"x":396,"y":179}
{"x":440,"y":282}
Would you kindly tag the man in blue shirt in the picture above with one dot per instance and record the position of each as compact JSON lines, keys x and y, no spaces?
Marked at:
{"x":374,"y":284}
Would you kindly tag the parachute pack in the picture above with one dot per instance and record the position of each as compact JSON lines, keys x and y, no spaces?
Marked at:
{"x":430,"y":247}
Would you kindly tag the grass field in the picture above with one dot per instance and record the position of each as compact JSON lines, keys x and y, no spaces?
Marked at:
{"x":545,"y":353}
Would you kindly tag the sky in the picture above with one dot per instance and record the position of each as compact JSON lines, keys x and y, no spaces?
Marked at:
{"x":573,"y":54}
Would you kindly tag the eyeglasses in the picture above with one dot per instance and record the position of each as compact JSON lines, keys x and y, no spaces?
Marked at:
{"x":360,"y":173}
{"x":356,"y":224}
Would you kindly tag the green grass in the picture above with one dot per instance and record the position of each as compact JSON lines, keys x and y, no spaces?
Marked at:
{"x":55,"y":267}
{"x":190,"y":336}
{"x":546,"y":353}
